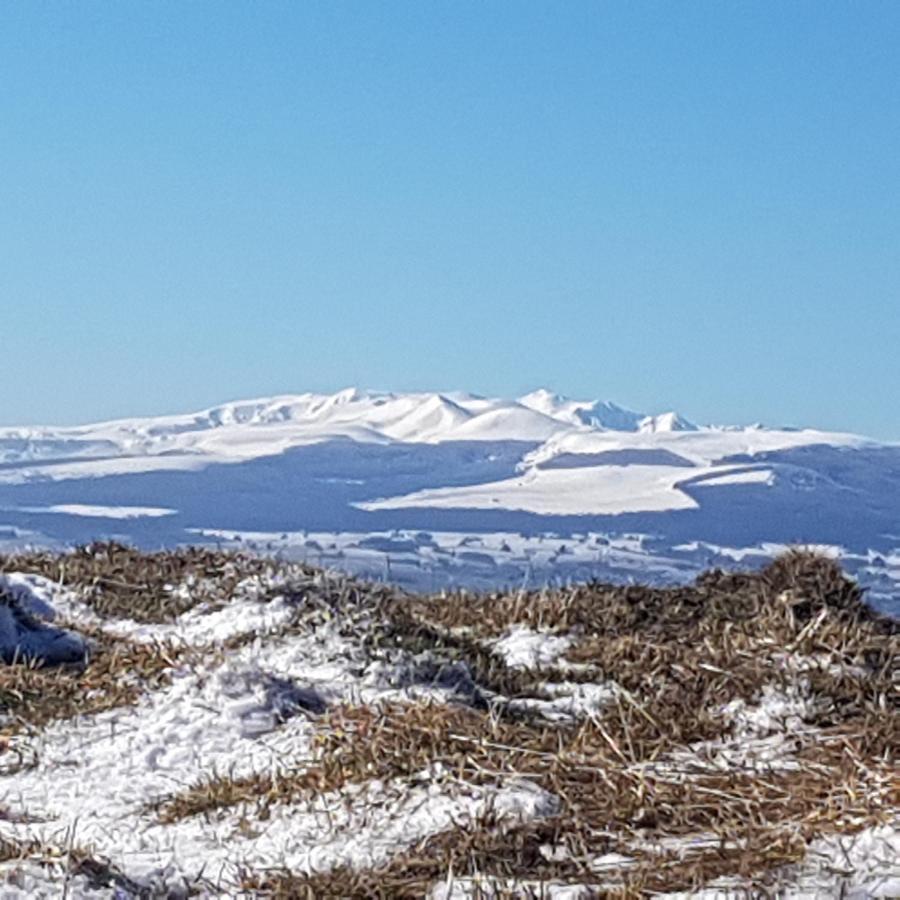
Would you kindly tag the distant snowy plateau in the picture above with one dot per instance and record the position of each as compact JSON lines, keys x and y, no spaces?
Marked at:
{"x":438,"y":490}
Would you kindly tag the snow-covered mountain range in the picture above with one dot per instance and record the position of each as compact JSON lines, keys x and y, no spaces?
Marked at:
{"x":435,"y":489}
{"x":268,"y":426}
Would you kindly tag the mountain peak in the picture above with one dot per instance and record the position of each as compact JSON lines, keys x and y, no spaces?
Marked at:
{"x":603,"y":414}
{"x":670,"y":421}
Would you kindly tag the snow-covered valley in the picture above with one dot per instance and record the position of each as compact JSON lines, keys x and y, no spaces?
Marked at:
{"x":437,"y":490}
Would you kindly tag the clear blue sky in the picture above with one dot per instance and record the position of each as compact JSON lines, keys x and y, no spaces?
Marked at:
{"x":686,"y":205}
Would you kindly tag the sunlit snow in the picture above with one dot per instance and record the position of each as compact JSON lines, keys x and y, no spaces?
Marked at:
{"x":536,"y":489}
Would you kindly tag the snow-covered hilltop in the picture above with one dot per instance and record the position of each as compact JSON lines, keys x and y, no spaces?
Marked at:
{"x":270,"y":425}
{"x":245,"y":727}
{"x":391,"y":484}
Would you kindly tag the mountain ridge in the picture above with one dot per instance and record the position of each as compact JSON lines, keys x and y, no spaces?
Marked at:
{"x":391,"y":484}
{"x":286,"y":420}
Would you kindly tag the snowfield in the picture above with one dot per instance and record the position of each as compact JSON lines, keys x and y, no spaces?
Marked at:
{"x":441,"y":490}
{"x":237,"y":726}
{"x":611,"y":490}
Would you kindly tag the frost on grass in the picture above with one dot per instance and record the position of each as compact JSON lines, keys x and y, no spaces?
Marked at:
{"x":283,"y":731}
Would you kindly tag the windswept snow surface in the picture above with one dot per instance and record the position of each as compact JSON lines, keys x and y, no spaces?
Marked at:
{"x":267,"y":427}
{"x":371,"y":464}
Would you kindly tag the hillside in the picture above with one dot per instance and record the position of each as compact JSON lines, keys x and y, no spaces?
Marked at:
{"x":243,"y":725}
{"x":452,"y":490}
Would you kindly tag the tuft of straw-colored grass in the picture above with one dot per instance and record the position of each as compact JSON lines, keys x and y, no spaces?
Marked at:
{"x":677,"y":658}
{"x":118,"y":581}
{"x":680,"y":656}
{"x":118,"y":673}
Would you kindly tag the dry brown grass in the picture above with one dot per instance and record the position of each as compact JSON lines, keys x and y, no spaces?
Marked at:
{"x":690,"y":649}
{"x":12,"y":850}
{"x":118,"y":673}
{"x":493,"y":859}
{"x":762,"y":822}
{"x":677,"y":656}
{"x":606,"y":610}
{"x":120,"y":581}
{"x":680,"y":655}
{"x":608,"y":802}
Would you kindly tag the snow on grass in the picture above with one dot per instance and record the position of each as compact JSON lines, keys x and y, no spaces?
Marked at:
{"x":98,"y":776}
{"x":865,"y":864}
{"x":246,"y":615}
{"x":764,"y":735}
{"x":568,"y":701}
{"x":776,"y":710}
{"x":45,"y":599}
{"x":294,"y":673}
{"x":254,"y":711}
{"x":523,"y":648}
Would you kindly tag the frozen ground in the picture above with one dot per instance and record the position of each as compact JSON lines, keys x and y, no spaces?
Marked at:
{"x":438,"y":490}
{"x":255,"y":683}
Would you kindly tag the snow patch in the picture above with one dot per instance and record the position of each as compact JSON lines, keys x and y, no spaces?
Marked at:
{"x":523,"y":648}
{"x":25,"y":632}
{"x":101,"y":512}
{"x":601,"y":490}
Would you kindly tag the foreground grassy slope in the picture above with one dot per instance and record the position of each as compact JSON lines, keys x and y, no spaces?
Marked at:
{"x":670,"y":739}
